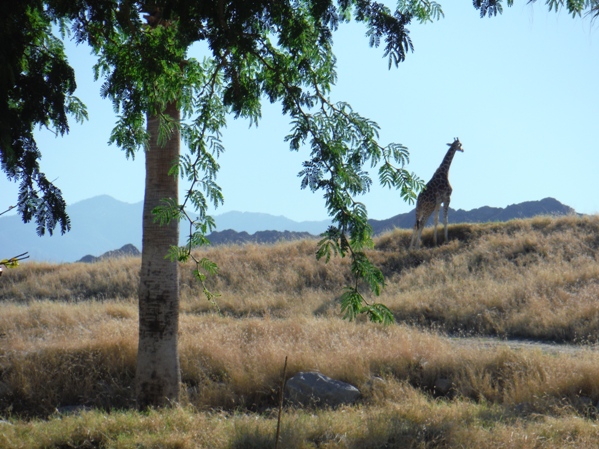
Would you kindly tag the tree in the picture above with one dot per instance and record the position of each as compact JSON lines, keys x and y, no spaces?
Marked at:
{"x":281,"y":51}
{"x":278,"y":50}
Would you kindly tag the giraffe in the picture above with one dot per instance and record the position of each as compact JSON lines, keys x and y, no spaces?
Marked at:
{"x":437,"y":192}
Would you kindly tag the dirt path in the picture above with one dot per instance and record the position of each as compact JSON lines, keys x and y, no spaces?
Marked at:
{"x":551,"y":348}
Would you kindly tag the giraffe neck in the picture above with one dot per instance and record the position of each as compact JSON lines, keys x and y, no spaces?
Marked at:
{"x":443,"y":169}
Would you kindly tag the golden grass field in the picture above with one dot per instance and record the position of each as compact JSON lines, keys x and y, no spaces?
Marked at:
{"x":68,"y":338}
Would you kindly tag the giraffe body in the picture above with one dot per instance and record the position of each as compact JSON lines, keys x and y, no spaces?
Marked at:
{"x":436,"y":193}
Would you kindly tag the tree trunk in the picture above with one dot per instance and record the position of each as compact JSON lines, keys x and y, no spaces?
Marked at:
{"x":158,"y":375}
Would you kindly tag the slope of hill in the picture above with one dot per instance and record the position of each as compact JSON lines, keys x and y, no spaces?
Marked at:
{"x":228,"y":236}
{"x":475,"y":284}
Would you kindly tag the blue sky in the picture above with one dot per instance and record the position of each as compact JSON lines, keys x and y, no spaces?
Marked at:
{"x":520,"y":90}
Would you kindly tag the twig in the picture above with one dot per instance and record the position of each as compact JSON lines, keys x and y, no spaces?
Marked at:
{"x":7,"y":210}
{"x":281,"y":403}
{"x":12,"y":262}
{"x":22,"y":256}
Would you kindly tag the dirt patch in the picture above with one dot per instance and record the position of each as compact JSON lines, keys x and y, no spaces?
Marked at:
{"x":547,"y":347}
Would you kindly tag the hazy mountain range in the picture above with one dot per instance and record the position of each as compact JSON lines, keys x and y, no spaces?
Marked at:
{"x":103,"y":224}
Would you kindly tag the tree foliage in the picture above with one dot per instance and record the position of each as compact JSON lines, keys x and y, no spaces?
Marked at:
{"x":36,"y":90}
{"x":574,"y":7}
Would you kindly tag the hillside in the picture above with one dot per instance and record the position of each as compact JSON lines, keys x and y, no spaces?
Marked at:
{"x":533,"y":278}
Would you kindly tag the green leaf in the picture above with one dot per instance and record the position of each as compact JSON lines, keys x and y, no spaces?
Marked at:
{"x":167,"y":211}
{"x":210,"y":267}
{"x":351,"y":303}
{"x":364,"y":269}
{"x":177,"y":253}
{"x":378,"y":313}
{"x":423,"y":10}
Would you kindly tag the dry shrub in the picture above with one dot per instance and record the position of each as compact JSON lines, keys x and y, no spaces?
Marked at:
{"x":527,"y":278}
{"x":416,"y":422}
{"x":233,"y":363}
{"x":287,"y":267}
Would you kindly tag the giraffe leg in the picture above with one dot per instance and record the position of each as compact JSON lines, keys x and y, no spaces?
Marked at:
{"x":414,"y":234}
{"x":436,"y":223}
{"x":415,"y":241}
{"x":445,"y":213}
{"x":419,"y":239}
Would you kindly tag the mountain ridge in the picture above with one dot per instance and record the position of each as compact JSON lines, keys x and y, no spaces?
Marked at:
{"x":102,"y":224}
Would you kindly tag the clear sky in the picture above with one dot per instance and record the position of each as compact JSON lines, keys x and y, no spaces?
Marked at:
{"x":520,"y":90}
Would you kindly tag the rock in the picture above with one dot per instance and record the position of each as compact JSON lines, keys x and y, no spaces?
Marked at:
{"x":523,"y":408}
{"x":443,"y":386}
{"x":316,"y":389}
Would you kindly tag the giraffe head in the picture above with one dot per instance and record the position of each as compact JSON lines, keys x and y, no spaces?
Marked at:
{"x":456,"y":145}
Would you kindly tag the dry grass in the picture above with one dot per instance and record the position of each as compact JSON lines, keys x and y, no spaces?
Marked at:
{"x":535,"y":278}
{"x":228,"y":363}
{"x":231,"y":369}
{"x":532,"y":278}
{"x":416,"y":423}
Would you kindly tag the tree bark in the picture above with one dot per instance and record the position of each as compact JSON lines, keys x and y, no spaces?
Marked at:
{"x":158,"y":375}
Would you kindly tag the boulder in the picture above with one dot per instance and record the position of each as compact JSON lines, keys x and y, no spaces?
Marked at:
{"x":316,"y":389}
{"x":443,"y":386}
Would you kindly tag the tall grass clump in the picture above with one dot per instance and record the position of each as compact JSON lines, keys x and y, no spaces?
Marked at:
{"x":57,"y":354}
{"x":498,"y":397}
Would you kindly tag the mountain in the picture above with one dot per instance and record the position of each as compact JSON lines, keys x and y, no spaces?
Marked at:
{"x":102,"y":224}
{"x":128,"y":250}
{"x":228,"y":237}
{"x":252,"y":222}
{"x":547,"y":206}
{"x":98,"y":225}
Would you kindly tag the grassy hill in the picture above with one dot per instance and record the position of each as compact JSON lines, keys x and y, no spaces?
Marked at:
{"x":68,"y":338}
